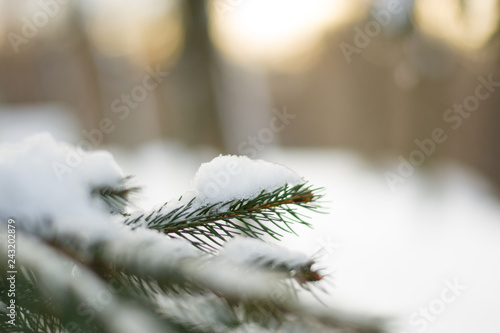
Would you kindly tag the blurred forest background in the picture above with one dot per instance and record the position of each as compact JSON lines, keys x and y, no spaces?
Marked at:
{"x":231,"y":62}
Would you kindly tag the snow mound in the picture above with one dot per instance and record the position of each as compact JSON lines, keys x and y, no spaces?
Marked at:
{"x":231,"y":177}
{"x":45,"y":186}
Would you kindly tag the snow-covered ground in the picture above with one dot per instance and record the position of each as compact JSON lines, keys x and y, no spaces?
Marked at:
{"x":425,"y":255}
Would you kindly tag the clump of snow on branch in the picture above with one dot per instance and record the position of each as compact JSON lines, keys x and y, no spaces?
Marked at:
{"x":48,"y":184}
{"x":231,"y":177}
{"x":243,"y":250}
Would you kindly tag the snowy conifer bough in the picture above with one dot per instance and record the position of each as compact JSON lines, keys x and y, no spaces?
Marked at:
{"x":203,"y":263}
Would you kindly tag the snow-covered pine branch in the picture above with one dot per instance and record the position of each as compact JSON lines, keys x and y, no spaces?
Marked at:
{"x":76,"y":239}
{"x":207,"y":225}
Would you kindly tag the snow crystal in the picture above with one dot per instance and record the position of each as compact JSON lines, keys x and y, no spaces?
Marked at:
{"x":244,"y":250}
{"x":230,"y":177}
{"x":46,"y":186}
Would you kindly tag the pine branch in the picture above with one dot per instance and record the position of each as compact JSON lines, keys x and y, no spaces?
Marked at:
{"x":269,"y":213}
{"x":116,"y":198}
{"x":34,"y":312}
{"x":250,"y":291}
{"x":261,"y":255}
{"x":157,"y":262}
{"x":69,"y":294}
{"x":174,"y":264}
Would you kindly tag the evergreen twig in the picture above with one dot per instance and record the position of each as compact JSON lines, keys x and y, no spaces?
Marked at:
{"x":206,"y":226}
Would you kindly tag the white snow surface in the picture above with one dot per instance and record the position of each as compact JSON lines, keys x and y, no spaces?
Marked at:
{"x":390,"y":253}
{"x":46,"y":187}
{"x":232,"y":177}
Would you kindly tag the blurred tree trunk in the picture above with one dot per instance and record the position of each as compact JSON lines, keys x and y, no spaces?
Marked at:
{"x":194,"y":79}
{"x":91,"y":98}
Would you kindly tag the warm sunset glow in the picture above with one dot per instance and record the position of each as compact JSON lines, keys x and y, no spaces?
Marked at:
{"x":270,"y":32}
{"x":470,"y":29}
{"x":145,"y":31}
